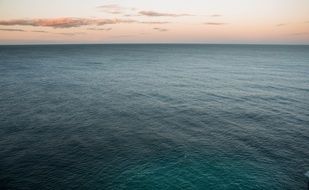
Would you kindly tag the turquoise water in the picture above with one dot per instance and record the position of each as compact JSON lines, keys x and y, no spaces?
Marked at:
{"x":154,"y":117}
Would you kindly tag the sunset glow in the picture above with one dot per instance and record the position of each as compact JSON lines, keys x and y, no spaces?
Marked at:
{"x":161,"y":21}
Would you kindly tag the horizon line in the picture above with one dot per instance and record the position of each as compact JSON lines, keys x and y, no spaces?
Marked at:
{"x":156,"y":43}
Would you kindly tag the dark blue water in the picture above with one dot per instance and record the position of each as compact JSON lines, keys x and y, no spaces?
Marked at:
{"x":154,"y":117}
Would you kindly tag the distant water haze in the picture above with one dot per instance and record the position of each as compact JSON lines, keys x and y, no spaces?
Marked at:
{"x":154,"y":117}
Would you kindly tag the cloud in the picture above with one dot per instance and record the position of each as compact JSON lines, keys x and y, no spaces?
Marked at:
{"x":42,"y":31}
{"x":70,"y":33}
{"x":20,"y":30}
{"x":100,"y":22}
{"x":122,"y":36}
{"x":157,"y":14}
{"x":39,"y":31}
{"x":112,"y":9}
{"x":161,"y":29}
{"x":12,"y":30}
{"x":154,"y":22}
{"x":300,"y":34}
{"x":132,"y":15}
{"x":56,"y":22}
{"x":281,"y":24}
{"x":215,"y":15}
{"x":100,"y":29}
{"x":215,"y":23}
{"x":66,"y":22}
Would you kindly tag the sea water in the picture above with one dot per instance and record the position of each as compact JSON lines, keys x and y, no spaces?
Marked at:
{"x":154,"y":117}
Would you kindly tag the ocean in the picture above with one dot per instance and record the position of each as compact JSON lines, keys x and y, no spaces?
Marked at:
{"x":154,"y":116}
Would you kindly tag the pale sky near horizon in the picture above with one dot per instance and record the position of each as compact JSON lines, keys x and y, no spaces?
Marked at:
{"x":160,"y":21}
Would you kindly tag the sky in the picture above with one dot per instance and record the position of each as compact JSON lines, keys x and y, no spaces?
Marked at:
{"x":154,"y":21}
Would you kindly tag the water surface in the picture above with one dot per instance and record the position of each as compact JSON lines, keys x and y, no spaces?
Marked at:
{"x":154,"y":117}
